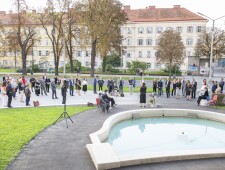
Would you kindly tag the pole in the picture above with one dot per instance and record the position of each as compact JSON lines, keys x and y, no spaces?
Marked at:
{"x":121,"y":56}
{"x":211,"y":52}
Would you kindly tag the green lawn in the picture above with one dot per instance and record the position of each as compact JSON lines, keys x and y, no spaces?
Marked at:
{"x":2,"y":70}
{"x":19,"y":126}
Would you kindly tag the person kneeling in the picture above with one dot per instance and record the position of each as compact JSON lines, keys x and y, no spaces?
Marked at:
{"x":204,"y":96}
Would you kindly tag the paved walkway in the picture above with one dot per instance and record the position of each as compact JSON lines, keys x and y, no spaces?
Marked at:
{"x":59,"y":148}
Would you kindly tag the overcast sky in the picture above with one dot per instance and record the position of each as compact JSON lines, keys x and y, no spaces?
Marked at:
{"x":212,"y":8}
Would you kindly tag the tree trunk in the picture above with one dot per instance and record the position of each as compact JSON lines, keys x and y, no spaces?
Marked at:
{"x":170,"y":70}
{"x":15,"y":60}
{"x":103,"y":64}
{"x":24,"y":62}
{"x":56,"y":68}
{"x":71,"y":63}
{"x":93,"y":55}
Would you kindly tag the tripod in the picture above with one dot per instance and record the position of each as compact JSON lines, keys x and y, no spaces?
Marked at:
{"x":65,"y":115}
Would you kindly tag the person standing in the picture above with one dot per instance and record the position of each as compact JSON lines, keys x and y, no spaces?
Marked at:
{"x":134,"y":82}
{"x":178,"y":89}
{"x":53,"y":88}
{"x":9,"y":93}
{"x":78,"y":86}
{"x":143,"y":90}
{"x":84,"y":83}
{"x":63,"y":91}
{"x":3,"y":92}
{"x":188,"y":90}
{"x":71,"y":85}
{"x":28,"y":94}
{"x":160,"y":86}
{"x":37,"y":87}
{"x":95,"y":85}
{"x":183,"y":85}
{"x":167,"y":84}
{"x":221,"y":85}
{"x":56,"y":80}
{"x":47,"y":84}
{"x":154,"y":85}
{"x":42,"y":83}
{"x":21,"y":90}
{"x":173,"y":93}
{"x":194,"y":88}
{"x":100,"y":84}
{"x":32,"y":82}
{"x":130,"y":82}
{"x":121,"y":83}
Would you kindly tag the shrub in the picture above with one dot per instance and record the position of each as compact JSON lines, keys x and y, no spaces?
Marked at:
{"x":220,"y":99}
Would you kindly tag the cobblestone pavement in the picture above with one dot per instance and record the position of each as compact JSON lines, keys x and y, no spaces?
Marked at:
{"x":59,"y":148}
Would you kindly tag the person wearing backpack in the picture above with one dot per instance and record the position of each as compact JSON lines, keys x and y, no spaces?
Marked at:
{"x":9,"y":93}
{"x":221,"y":85}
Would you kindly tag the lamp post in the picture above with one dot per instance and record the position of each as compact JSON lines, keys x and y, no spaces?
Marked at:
{"x":212,"y":39}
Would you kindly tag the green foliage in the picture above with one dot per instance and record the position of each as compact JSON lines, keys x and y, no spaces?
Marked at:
{"x":220,"y":98}
{"x":136,"y":64}
{"x":25,"y":124}
{"x":175,"y":69}
{"x":35,"y":68}
{"x":113,"y":60}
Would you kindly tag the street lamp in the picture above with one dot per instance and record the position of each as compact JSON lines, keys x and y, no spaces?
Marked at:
{"x":212,"y":38}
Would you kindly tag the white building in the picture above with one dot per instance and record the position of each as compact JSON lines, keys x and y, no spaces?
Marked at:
{"x":140,"y":37}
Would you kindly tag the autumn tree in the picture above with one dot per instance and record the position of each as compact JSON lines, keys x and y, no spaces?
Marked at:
{"x":71,"y":31}
{"x":203,"y":45}
{"x":101,"y":21}
{"x":24,"y":28}
{"x":170,"y":49}
{"x":13,"y":44}
{"x":52,"y":20}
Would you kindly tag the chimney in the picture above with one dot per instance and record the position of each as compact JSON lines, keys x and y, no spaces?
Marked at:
{"x":33,"y":11}
{"x":151,"y":7}
{"x":176,"y":6}
{"x":2,"y":12}
{"x":126,"y":7}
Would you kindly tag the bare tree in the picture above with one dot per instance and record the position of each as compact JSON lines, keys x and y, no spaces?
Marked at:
{"x":52,"y":20}
{"x":203,"y":45}
{"x":170,"y":49}
{"x":24,"y":28}
{"x":101,"y":22}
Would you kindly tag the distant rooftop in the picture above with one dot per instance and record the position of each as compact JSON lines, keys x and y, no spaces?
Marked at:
{"x":153,"y":14}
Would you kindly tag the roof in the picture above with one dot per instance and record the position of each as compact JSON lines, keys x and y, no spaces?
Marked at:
{"x":152,"y":14}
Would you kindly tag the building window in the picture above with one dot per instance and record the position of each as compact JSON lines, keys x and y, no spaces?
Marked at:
{"x":179,"y":29}
{"x":46,"y":42}
{"x":198,"y":29}
{"x":11,"y":53}
{"x":129,"y":41}
{"x":129,"y":31}
{"x":39,"y":53}
{"x":139,"y":54}
{"x":140,"y":41}
{"x":159,"y":30}
{"x":149,"y":65}
{"x":86,"y":54}
{"x":189,"y":41}
{"x":140,"y":30}
{"x":128,"y":55}
{"x":188,"y":53}
{"x":169,"y":28}
{"x":148,"y":41}
{"x":4,"y":53}
{"x":87,"y":63}
{"x":156,"y":41}
{"x":149,"y":30}
{"x":158,"y":65}
{"x":148,"y":54}
{"x":47,"y":53}
{"x":39,"y":42}
{"x":32,"y":53}
{"x":78,"y":53}
{"x":189,"y":29}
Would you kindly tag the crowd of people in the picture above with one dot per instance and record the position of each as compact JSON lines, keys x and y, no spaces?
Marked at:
{"x":23,"y":88}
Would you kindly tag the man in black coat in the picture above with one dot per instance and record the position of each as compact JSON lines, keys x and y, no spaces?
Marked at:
{"x":194,"y":88}
{"x":160,"y":86}
{"x":167,"y":84}
{"x":9,"y":92}
{"x":47,"y":84}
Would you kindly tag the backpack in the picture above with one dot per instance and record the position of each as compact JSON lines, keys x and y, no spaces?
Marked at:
{"x":122,"y":95}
